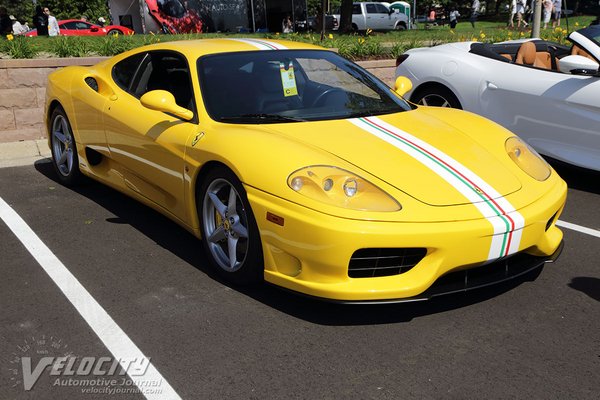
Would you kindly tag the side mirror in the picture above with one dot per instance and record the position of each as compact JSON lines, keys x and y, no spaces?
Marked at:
{"x":577,"y":64}
{"x":94,"y":29}
{"x":161,"y":100}
{"x":402,"y":85}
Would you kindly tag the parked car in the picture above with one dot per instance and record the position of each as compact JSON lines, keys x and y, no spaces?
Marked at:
{"x":76,"y":27}
{"x":545,"y":92}
{"x":376,"y":16}
{"x":317,"y":178}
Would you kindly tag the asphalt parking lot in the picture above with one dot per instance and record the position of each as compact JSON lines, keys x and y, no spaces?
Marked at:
{"x":535,"y":338}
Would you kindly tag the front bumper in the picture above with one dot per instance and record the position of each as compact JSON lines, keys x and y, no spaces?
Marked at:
{"x":310,"y":252}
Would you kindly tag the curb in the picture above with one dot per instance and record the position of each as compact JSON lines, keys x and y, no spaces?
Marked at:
{"x":27,"y":152}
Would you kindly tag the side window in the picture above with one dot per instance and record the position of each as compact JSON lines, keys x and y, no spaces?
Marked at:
{"x":124,"y":71}
{"x":165,"y":70}
{"x":381,"y":9}
{"x":356,"y":9}
{"x":371,"y":9}
{"x":70,"y":25}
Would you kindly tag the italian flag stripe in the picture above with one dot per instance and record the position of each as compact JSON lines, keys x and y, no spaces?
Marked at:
{"x":506,"y":221}
{"x":262,"y":44}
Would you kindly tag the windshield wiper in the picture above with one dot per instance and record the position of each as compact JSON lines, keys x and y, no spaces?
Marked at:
{"x":262,"y":118}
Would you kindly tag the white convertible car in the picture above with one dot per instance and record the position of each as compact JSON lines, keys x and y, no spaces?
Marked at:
{"x":547,"y":93}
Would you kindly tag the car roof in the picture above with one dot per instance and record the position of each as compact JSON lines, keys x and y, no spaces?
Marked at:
{"x":200,"y":47}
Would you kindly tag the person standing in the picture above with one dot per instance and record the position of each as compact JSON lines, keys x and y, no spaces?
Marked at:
{"x":512,"y":11}
{"x":521,"y":13}
{"x":40,"y":21}
{"x":287,"y":25}
{"x":453,"y":16}
{"x":474,"y":12}
{"x":547,"y":12}
{"x":557,"y":10}
{"x":53,"y":29}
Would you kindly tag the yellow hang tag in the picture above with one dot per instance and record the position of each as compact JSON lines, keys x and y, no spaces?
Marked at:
{"x":288,"y":80}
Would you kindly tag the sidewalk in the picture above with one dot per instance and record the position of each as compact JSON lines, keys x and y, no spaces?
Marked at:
{"x":15,"y":154}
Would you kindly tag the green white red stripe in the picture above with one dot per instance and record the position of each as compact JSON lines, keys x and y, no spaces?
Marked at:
{"x":505,"y":220}
{"x":262,"y":44}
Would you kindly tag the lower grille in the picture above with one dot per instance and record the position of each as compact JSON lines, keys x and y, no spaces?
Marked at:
{"x":370,"y":263}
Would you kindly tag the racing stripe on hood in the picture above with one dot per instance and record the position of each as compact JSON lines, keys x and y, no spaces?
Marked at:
{"x":506,"y":221}
{"x":262,"y":44}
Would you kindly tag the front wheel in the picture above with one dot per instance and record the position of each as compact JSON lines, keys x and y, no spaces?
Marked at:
{"x":436,"y":97}
{"x":64,"y":148}
{"x":230,"y":235}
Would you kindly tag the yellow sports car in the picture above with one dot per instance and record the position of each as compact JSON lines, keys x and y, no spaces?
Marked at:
{"x":296,"y":166}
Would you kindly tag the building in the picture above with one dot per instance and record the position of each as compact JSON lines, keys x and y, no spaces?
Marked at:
{"x":187,"y":16}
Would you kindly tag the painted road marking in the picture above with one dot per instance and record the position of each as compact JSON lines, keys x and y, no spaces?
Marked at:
{"x":578,"y":228}
{"x":113,"y":337}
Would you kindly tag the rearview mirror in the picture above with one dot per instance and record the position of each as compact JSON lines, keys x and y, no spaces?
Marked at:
{"x":402,"y":85}
{"x":161,"y":100}
{"x":579,"y":65}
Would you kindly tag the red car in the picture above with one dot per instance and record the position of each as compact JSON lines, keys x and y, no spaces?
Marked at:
{"x":77,"y":27}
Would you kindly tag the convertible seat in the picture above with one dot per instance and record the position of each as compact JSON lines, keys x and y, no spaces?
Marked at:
{"x":527,"y":55}
{"x":578,"y":51}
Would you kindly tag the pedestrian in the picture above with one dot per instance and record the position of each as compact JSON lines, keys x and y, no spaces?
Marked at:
{"x":40,"y":21}
{"x":474,"y":12}
{"x":101,"y":21}
{"x":5,"y":22}
{"x":512,"y":12}
{"x":521,"y":13}
{"x":83,"y":18}
{"x":17,"y":27}
{"x":453,"y":16}
{"x":53,"y":29}
{"x":287,"y":25}
{"x":557,"y":10}
{"x":547,"y":12}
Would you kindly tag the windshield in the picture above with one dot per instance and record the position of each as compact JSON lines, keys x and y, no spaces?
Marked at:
{"x":592,"y":32}
{"x":290,"y":86}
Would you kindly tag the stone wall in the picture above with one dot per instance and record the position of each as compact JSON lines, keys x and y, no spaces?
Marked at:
{"x":23,"y":91}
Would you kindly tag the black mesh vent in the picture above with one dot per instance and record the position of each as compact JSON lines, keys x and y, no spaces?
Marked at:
{"x":91,"y":82}
{"x":369,"y":263}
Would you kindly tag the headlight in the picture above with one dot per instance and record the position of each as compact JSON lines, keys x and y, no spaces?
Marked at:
{"x":527,"y":158}
{"x":341,"y":188}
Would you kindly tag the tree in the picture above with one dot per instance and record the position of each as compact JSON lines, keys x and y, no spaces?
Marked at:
{"x":345,"y":22}
{"x":61,"y":9}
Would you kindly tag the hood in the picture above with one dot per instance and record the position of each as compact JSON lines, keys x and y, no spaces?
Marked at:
{"x":424,"y":156}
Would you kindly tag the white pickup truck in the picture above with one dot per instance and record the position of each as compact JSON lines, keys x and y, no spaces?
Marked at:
{"x":375,"y":16}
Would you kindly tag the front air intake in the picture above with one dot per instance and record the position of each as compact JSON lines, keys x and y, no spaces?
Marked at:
{"x":370,"y":263}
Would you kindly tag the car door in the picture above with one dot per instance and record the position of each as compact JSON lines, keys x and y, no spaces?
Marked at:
{"x":557,"y":113}
{"x":387,"y":20}
{"x":149,"y":145}
{"x":374,"y":17}
{"x":68,"y":28}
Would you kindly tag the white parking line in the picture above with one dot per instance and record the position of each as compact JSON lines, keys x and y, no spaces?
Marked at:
{"x":113,"y":337}
{"x":578,"y":228}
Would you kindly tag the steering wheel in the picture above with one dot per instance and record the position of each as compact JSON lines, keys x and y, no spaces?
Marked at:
{"x":321,"y":98}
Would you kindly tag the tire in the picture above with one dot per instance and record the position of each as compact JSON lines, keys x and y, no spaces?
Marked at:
{"x":230,"y":236}
{"x":64,"y":149}
{"x":114,"y":32}
{"x":436,"y":96}
{"x":400,"y":27}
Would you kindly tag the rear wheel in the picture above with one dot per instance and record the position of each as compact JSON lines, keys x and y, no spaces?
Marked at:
{"x":64,"y":148}
{"x":114,"y":32}
{"x":436,"y":96}
{"x":230,"y":235}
